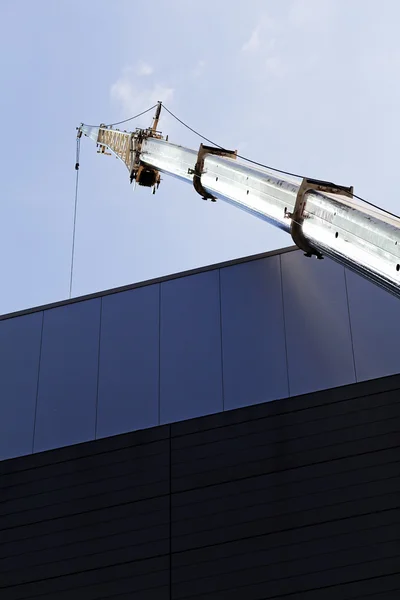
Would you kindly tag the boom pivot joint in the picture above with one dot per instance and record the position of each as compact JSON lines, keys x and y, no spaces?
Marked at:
{"x":299,"y":213}
{"x":198,"y":170}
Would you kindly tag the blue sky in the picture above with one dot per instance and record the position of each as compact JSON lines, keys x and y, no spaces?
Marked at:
{"x":311,"y":86}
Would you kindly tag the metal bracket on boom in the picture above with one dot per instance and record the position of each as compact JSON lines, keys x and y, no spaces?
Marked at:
{"x":198,"y":170}
{"x":141,"y":173}
{"x":299,"y":214}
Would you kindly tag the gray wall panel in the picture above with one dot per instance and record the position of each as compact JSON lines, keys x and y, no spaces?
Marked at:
{"x":19,"y":363}
{"x":219,"y":339}
{"x":253,"y":333}
{"x":129,"y":362}
{"x":319,"y":344}
{"x":375,"y":322}
{"x":66,"y":408}
{"x":190,"y":359}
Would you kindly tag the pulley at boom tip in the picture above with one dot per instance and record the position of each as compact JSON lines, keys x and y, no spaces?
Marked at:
{"x":127,"y":146}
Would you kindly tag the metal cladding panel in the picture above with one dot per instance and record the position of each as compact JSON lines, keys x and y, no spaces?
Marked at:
{"x":203,"y":342}
{"x":375,"y":323}
{"x":253,"y":333}
{"x":319,"y":345}
{"x":19,"y":362}
{"x":190,"y":347}
{"x":66,"y":407}
{"x":129,"y":362}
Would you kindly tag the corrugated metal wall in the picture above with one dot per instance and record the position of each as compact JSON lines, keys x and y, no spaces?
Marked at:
{"x":223,"y":338}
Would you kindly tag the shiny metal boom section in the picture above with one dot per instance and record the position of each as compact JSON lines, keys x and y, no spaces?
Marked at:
{"x":365,"y":239}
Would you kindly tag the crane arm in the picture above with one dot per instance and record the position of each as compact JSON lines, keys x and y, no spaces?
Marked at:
{"x":323,"y":219}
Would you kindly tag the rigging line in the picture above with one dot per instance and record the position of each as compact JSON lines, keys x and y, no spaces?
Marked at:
{"x":254,"y":162}
{"x":126,"y":120}
{"x":218,"y":146}
{"x":391,"y":214}
{"x":191,"y":129}
{"x":78,"y":149}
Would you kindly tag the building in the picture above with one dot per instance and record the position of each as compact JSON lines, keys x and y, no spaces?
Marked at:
{"x":225,"y":433}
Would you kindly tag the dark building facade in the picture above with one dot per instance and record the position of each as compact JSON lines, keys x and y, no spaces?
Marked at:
{"x":228,"y":433}
{"x":296,"y":498}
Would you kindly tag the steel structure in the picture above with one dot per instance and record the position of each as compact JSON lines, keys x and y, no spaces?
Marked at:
{"x":323,"y":218}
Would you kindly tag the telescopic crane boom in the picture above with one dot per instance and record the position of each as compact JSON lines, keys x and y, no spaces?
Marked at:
{"x":323,"y":219}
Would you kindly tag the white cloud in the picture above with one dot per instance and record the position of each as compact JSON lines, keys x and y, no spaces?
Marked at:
{"x":257,"y":36}
{"x":282,"y":45}
{"x":274,"y":65}
{"x":253,"y":43}
{"x":263,"y":49}
{"x":144,"y":69}
{"x":131,"y":96}
{"x":199,"y":69}
{"x":312,"y":14}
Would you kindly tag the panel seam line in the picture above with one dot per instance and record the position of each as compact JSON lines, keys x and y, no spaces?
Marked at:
{"x":350,"y":326}
{"x":284,"y":326}
{"x":170,"y":512}
{"x":37,"y":383}
{"x":159,"y":353}
{"x":98,"y":370}
{"x":221,"y":341}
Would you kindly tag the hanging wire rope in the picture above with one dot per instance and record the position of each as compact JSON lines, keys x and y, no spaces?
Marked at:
{"x":78,"y":151}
